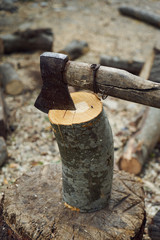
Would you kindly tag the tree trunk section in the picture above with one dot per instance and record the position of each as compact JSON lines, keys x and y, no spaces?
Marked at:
{"x":10,"y":79}
{"x":28,"y":40}
{"x":131,"y":66}
{"x":86,"y":146}
{"x":3,"y":116}
{"x":141,"y":14}
{"x":33,"y":209}
{"x":141,"y":144}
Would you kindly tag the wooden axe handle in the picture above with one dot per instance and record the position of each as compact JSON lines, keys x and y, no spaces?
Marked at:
{"x":113,"y":82}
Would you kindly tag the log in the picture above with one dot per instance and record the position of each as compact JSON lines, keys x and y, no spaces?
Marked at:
{"x":154,"y":227}
{"x":75,"y":49}
{"x":33,"y":209}
{"x":141,"y":144}
{"x":141,"y":14}
{"x":131,"y":66}
{"x":3,"y":116}
{"x":3,"y":151}
{"x":28,"y":40}
{"x":113,"y":82}
{"x":85,"y":142}
{"x":10,"y":79}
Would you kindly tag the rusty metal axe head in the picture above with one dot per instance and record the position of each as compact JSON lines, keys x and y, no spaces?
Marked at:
{"x":54,"y":93}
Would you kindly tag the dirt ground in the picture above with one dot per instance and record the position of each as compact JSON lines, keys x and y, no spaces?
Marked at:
{"x":30,"y":140}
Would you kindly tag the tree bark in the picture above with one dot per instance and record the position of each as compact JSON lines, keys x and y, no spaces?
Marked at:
{"x":10,"y":79}
{"x":28,"y":40}
{"x":86,"y":146}
{"x":33,"y":209}
{"x":141,"y":144}
{"x":113,"y":82}
{"x":141,"y":14}
{"x":3,"y":116}
{"x":75,"y":49}
{"x":131,"y":66}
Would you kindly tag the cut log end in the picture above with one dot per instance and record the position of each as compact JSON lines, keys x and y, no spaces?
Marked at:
{"x":87,"y":106}
{"x":14,"y":88}
{"x":130,"y":165}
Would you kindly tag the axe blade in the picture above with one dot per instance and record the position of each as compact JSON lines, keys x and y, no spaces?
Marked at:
{"x":54,"y":93}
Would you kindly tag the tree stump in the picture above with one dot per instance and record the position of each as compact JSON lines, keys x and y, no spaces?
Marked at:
{"x":85,"y":142}
{"x":32,"y":208}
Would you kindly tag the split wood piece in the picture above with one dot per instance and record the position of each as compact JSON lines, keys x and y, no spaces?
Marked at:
{"x":154,"y":227}
{"x":85,"y":142}
{"x":3,"y":151}
{"x":28,"y":40}
{"x":141,"y":144}
{"x":113,"y":82}
{"x":3,"y":116}
{"x":10,"y":79}
{"x":131,"y":66}
{"x":141,"y":14}
{"x":75,"y":49}
{"x":33,"y":209}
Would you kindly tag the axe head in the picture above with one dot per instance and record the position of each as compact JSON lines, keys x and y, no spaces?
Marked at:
{"x":54,"y":93}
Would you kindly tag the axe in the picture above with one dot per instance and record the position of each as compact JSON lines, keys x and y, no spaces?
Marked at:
{"x":58,"y":72}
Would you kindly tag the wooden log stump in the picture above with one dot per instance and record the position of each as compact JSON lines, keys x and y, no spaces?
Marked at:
{"x":32,"y":208}
{"x":10,"y":79}
{"x":28,"y":40}
{"x":86,"y":146}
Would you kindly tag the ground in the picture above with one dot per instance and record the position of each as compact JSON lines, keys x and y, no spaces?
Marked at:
{"x":30,"y":140}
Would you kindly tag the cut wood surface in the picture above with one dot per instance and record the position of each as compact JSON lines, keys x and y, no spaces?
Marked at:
{"x":3,"y":151}
{"x":141,"y":14}
{"x":3,"y":116}
{"x":141,"y":144}
{"x":85,"y":142}
{"x":28,"y":40}
{"x":113,"y":82}
{"x":75,"y":49}
{"x":131,"y":66}
{"x":33,"y":209}
{"x":9,"y":79}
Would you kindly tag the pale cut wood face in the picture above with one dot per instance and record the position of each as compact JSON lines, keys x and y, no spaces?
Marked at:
{"x":88,"y":106}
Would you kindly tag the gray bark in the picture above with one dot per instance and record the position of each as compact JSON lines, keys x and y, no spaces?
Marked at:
{"x":141,"y":14}
{"x":28,"y":40}
{"x":75,"y":49}
{"x":131,"y":66}
{"x":87,"y":162}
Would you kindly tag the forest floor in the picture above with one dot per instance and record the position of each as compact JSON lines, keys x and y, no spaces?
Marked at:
{"x":30,"y":141}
